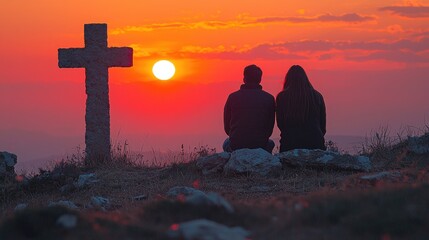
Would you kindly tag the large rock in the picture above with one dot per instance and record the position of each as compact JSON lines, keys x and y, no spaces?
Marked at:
{"x":199,"y":198}
{"x":67,"y":221}
{"x":322,"y":159}
{"x":419,"y":145}
{"x":253,"y":161}
{"x":203,"y":229}
{"x":7,"y":164}
{"x":213,"y":163}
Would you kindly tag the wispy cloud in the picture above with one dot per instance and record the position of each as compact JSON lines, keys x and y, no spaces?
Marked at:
{"x":398,"y":51}
{"x":245,"y":22}
{"x":313,"y":45}
{"x":348,"y":18}
{"x":408,"y":11}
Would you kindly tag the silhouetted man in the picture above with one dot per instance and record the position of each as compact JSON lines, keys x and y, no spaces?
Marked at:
{"x":249,"y":114}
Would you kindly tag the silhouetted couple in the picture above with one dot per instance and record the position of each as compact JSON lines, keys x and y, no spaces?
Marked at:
{"x":250,"y":112}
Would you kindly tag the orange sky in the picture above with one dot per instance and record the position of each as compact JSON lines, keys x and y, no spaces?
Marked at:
{"x":368,"y":58}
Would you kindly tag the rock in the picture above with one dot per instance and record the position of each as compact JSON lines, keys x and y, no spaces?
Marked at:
{"x":7,"y":164}
{"x":139,"y":197}
{"x":381,"y":175}
{"x":9,"y":158}
{"x":203,"y":229}
{"x":86,"y":180}
{"x":20,"y":207}
{"x":322,"y":159}
{"x":67,"y":204}
{"x":217,"y":200}
{"x":100,"y":202}
{"x":210,"y":199}
{"x":199,"y":198}
{"x":253,"y":161}
{"x":177,"y":192}
{"x":67,"y":221}
{"x":213,"y":163}
{"x":419,"y":145}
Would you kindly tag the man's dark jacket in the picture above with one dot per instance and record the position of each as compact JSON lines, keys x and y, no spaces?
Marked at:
{"x":249,"y":116}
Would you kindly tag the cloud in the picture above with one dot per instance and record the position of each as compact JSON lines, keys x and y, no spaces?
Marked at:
{"x":398,"y":51}
{"x":244,"y":22}
{"x":314,"y":46}
{"x":421,"y":34}
{"x":396,"y":56}
{"x":349,"y":18}
{"x":408,"y":11}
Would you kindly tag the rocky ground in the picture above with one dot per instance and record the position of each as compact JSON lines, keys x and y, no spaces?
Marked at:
{"x":301,"y":195}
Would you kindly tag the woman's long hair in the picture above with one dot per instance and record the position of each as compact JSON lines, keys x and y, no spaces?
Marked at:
{"x":300,"y":99}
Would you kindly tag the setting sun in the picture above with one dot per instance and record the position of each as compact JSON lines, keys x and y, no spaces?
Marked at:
{"x":163,"y":70}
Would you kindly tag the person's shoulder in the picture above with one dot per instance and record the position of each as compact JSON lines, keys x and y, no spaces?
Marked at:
{"x":317,"y":93}
{"x":234,"y":93}
{"x":281,"y":94}
{"x":267,"y":94}
{"x":318,"y":97}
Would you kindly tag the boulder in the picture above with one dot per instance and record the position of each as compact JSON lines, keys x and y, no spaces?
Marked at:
{"x":199,"y":198}
{"x":419,"y":145}
{"x":324,"y":159}
{"x":213,"y":163}
{"x":67,"y":221}
{"x":253,"y":161}
{"x":20,"y":207}
{"x":7,"y":164}
{"x":203,"y":229}
{"x":85,"y":180}
{"x":100,"y":202}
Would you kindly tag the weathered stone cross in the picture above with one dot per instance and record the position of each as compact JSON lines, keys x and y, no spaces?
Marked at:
{"x":96,"y":58}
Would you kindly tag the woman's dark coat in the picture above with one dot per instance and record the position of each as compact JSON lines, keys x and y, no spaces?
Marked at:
{"x":301,"y":135}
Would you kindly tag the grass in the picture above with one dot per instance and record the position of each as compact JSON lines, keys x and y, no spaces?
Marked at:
{"x":395,"y":212}
{"x":300,"y":203}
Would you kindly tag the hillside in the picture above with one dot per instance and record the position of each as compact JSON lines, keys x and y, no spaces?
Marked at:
{"x":389,"y":202}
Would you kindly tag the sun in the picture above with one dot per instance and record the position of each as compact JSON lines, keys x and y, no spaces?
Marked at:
{"x":163,"y":70}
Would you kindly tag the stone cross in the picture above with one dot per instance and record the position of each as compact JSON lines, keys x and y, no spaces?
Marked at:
{"x":96,"y":58}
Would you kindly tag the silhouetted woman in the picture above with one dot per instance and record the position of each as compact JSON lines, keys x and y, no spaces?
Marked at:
{"x":300,"y":113}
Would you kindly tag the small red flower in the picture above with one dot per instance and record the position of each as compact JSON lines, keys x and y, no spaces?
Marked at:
{"x":181,"y":198}
{"x":19,"y":178}
{"x":196,"y":183}
{"x":386,"y":236}
{"x":174,"y":227}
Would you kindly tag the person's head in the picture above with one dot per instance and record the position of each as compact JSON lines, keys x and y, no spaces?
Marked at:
{"x":300,"y":99}
{"x":296,"y":78}
{"x":252,"y":74}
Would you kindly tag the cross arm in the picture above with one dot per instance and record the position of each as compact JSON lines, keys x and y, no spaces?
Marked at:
{"x":120,"y":57}
{"x":71,"y":58}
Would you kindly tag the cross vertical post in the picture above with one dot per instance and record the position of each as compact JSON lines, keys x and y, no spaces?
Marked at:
{"x":96,"y":57}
